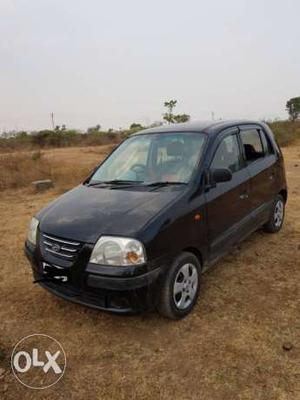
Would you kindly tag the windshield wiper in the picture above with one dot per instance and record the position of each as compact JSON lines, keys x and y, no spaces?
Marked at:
{"x":164,"y":183}
{"x":114,"y":182}
{"x":129,"y":183}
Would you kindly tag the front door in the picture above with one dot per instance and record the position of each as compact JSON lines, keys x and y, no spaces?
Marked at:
{"x":228,"y":202}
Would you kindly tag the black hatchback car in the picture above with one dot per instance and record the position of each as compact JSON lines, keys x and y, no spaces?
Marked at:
{"x":156,"y":213}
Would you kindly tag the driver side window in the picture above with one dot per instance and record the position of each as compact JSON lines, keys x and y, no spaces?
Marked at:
{"x":228,"y":154}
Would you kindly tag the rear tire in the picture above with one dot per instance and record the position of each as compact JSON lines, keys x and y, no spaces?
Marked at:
{"x":277,"y":215}
{"x":180,"y":288}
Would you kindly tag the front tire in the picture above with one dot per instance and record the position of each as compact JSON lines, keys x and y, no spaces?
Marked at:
{"x":180,"y":289}
{"x":277,"y":215}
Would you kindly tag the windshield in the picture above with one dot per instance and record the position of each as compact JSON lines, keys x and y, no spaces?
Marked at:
{"x":168,"y":157}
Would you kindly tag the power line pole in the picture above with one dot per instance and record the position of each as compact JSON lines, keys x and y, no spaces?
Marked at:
{"x":52,"y":120}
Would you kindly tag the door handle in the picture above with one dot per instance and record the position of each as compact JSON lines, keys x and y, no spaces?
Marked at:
{"x":244,"y":196}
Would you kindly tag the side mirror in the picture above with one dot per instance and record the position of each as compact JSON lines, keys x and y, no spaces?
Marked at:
{"x":220,"y":175}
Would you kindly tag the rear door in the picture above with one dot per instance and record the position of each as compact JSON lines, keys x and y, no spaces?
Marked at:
{"x":227,"y":202}
{"x":261,"y":161}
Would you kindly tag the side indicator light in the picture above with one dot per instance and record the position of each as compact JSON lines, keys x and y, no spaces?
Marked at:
{"x":197,"y":217}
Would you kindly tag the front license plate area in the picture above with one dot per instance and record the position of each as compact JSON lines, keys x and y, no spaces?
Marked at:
{"x":55,"y":272}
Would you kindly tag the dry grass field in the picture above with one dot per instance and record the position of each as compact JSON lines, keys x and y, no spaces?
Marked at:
{"x":66,"y":166}
{"x":229,"y":348}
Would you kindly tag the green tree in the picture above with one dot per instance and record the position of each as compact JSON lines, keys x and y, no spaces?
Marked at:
{"x":94,"y":129}
{"x":293,"y":108}
{"x":179,"y":118}
{"x":169,"y":116}
{"x":135,"y":126}
{"x":22,"y":134}
{"x":172,"y":118}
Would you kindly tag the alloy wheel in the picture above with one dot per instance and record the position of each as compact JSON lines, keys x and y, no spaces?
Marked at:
{"x":185,"y":286}
{"x":278,"y":213}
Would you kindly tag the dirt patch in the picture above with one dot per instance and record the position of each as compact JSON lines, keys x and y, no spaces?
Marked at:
{"x":230,"y":347}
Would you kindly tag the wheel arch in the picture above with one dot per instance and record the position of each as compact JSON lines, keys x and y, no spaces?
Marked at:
{"x":284,"y":194}
{"x":196,"y":252}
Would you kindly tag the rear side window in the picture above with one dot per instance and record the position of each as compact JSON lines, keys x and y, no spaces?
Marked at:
{"x":252,"y":145}
{"x":266,"y":143}
{"x":227,"y":154}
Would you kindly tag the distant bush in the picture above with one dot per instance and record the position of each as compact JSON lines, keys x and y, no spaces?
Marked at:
{"x":58,"y":138}
{"x":286,"y":132}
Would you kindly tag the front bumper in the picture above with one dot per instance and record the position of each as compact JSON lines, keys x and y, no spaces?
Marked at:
{"x":119,"y":294}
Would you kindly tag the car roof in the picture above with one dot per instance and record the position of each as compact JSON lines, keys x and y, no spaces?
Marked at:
{"x":210,"y":127}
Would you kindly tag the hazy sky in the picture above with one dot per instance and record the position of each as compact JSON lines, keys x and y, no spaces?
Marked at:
{"x":115,"y":62}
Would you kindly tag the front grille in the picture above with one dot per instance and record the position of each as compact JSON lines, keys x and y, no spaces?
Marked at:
{"x":66,"y":249}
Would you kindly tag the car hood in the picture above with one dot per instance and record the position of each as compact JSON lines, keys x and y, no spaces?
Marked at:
{"x":85,"y":213}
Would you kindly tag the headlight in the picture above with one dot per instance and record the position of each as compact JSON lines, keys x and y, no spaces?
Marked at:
{"x":110,"y":250}
{"x":32,"y":231}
